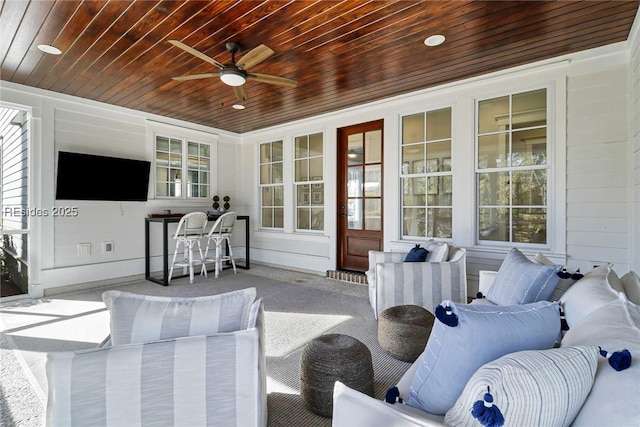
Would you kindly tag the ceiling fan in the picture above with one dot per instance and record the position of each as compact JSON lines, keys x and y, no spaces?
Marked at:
{"x":235,"y":74}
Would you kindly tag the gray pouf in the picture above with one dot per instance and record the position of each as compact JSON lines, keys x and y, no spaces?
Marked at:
{"x":330,"y":358}
{"x":403,"y":331}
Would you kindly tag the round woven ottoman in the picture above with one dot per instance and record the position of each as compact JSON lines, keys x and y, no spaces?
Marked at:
{"x":330,"y":358}
{"x":403,"y":331}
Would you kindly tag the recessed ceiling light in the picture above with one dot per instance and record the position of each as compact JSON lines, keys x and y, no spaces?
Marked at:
{"x":434,"y":40}
{"x":238,"y":106}
{"x":49,"y":49}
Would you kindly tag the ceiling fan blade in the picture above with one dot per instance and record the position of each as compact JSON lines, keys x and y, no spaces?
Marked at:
{"x":254,"y":57}
{"x":273,"y":80}
{"x":195,"y":76}
{"x":196,"y":53}
{"x":241,"y":93}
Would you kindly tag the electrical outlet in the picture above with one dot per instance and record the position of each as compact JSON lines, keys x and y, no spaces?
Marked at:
{"x":108,"y":247}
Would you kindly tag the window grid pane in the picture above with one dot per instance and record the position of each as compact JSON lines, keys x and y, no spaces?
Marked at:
{"x":426,"y":176}
{"x":271,"y":185}
{"x":169,"y":167}
{"x":512,"y":171}
{"x":309,"y":185}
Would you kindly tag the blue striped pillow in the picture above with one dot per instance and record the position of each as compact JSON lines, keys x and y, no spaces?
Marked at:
{"x":531,"y":388}
{"x":520,"y":281}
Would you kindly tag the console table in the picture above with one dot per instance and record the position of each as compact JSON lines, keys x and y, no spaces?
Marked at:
{"x":165,"y":221}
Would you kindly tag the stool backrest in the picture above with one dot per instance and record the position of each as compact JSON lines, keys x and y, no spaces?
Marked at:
{"x":224,"y":224}
{"x":191,"y":225}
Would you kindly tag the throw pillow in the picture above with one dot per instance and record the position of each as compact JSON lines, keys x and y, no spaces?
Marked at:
{"x":589,"y":293}
{"x":416,"y":254}
{"x":142,"y":318}
{"x":438,"y":252}
{"x":631,"y":284}
{"x":483,"y":333}
{"x":531,"y":388}
{"x":521,"y":281}
{"x":613,"y":400}
{"x":565,"y":281}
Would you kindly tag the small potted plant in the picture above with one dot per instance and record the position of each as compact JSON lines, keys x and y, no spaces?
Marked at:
{"x":226,"y":202}
{"x":216,"y":202}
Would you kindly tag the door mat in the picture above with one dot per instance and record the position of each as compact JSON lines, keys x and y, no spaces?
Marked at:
{"x":347,"y":276}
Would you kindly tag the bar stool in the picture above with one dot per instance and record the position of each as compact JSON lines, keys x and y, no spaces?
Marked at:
{"x":189,"y":232}
{"x":219,"y":234}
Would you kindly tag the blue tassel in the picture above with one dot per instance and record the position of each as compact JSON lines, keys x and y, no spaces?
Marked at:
{"x":446,"y":316}
{"x":486,"y":412}
{"x":564,"y":326}
{"x":577,"y":275}
{"x":479,"y":295}
{"x":393,"y":396}
{"x":564,"y":274}
{"x":619,"y":360}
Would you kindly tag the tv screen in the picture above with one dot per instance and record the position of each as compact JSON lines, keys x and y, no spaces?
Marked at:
{"x":91,"y":177}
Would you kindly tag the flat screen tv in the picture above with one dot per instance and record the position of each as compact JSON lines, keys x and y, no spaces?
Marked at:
{"x":91,"y":177}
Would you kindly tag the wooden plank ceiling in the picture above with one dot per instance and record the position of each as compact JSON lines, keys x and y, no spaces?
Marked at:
{"x":341,"y":53}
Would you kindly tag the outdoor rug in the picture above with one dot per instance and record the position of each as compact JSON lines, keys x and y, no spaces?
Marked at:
{"x":298,"y":308}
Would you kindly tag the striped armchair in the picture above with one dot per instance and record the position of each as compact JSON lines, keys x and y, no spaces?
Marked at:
{"x":195,"y":379}
{"x":395,"y":282}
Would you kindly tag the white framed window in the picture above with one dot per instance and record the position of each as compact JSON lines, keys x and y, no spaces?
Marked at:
{"x":271,"y":185}
{"x":512,"y":171}
{"x":182,"y":168}
{"x":426,"y":175}
{"x":309,"y":181}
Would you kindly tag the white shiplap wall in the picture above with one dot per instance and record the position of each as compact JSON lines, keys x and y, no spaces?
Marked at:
{"x":597,"y":167}
{"x":634,"y":108}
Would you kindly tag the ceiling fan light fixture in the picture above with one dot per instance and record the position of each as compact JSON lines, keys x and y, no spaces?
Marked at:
{"x":434,"y":40}
{"x":238,"y":107}
{"x":232,"y":77}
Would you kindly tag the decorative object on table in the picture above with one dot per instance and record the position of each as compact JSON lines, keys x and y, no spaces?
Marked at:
{"x":403,"y":331}
{"x":330,"y":358}
{"x":216,"y":202}
{"x":225,"y":206}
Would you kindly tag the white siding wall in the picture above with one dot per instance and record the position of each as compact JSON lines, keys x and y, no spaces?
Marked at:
{"x":634,"y":108}
{"x":597,"y":167}
{"x":72,"y":124}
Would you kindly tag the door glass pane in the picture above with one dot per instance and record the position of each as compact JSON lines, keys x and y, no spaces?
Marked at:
{"x":354,"y":181}
{"x":373,"y":149}
{"x":373,"y":214}
{"x":494,"y":224}
{"x":354,"y":214}
{"x":372,"y":181}
{"x":439,"y":124}
{"x":413,"y":128}
{"x":355,"y":147}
